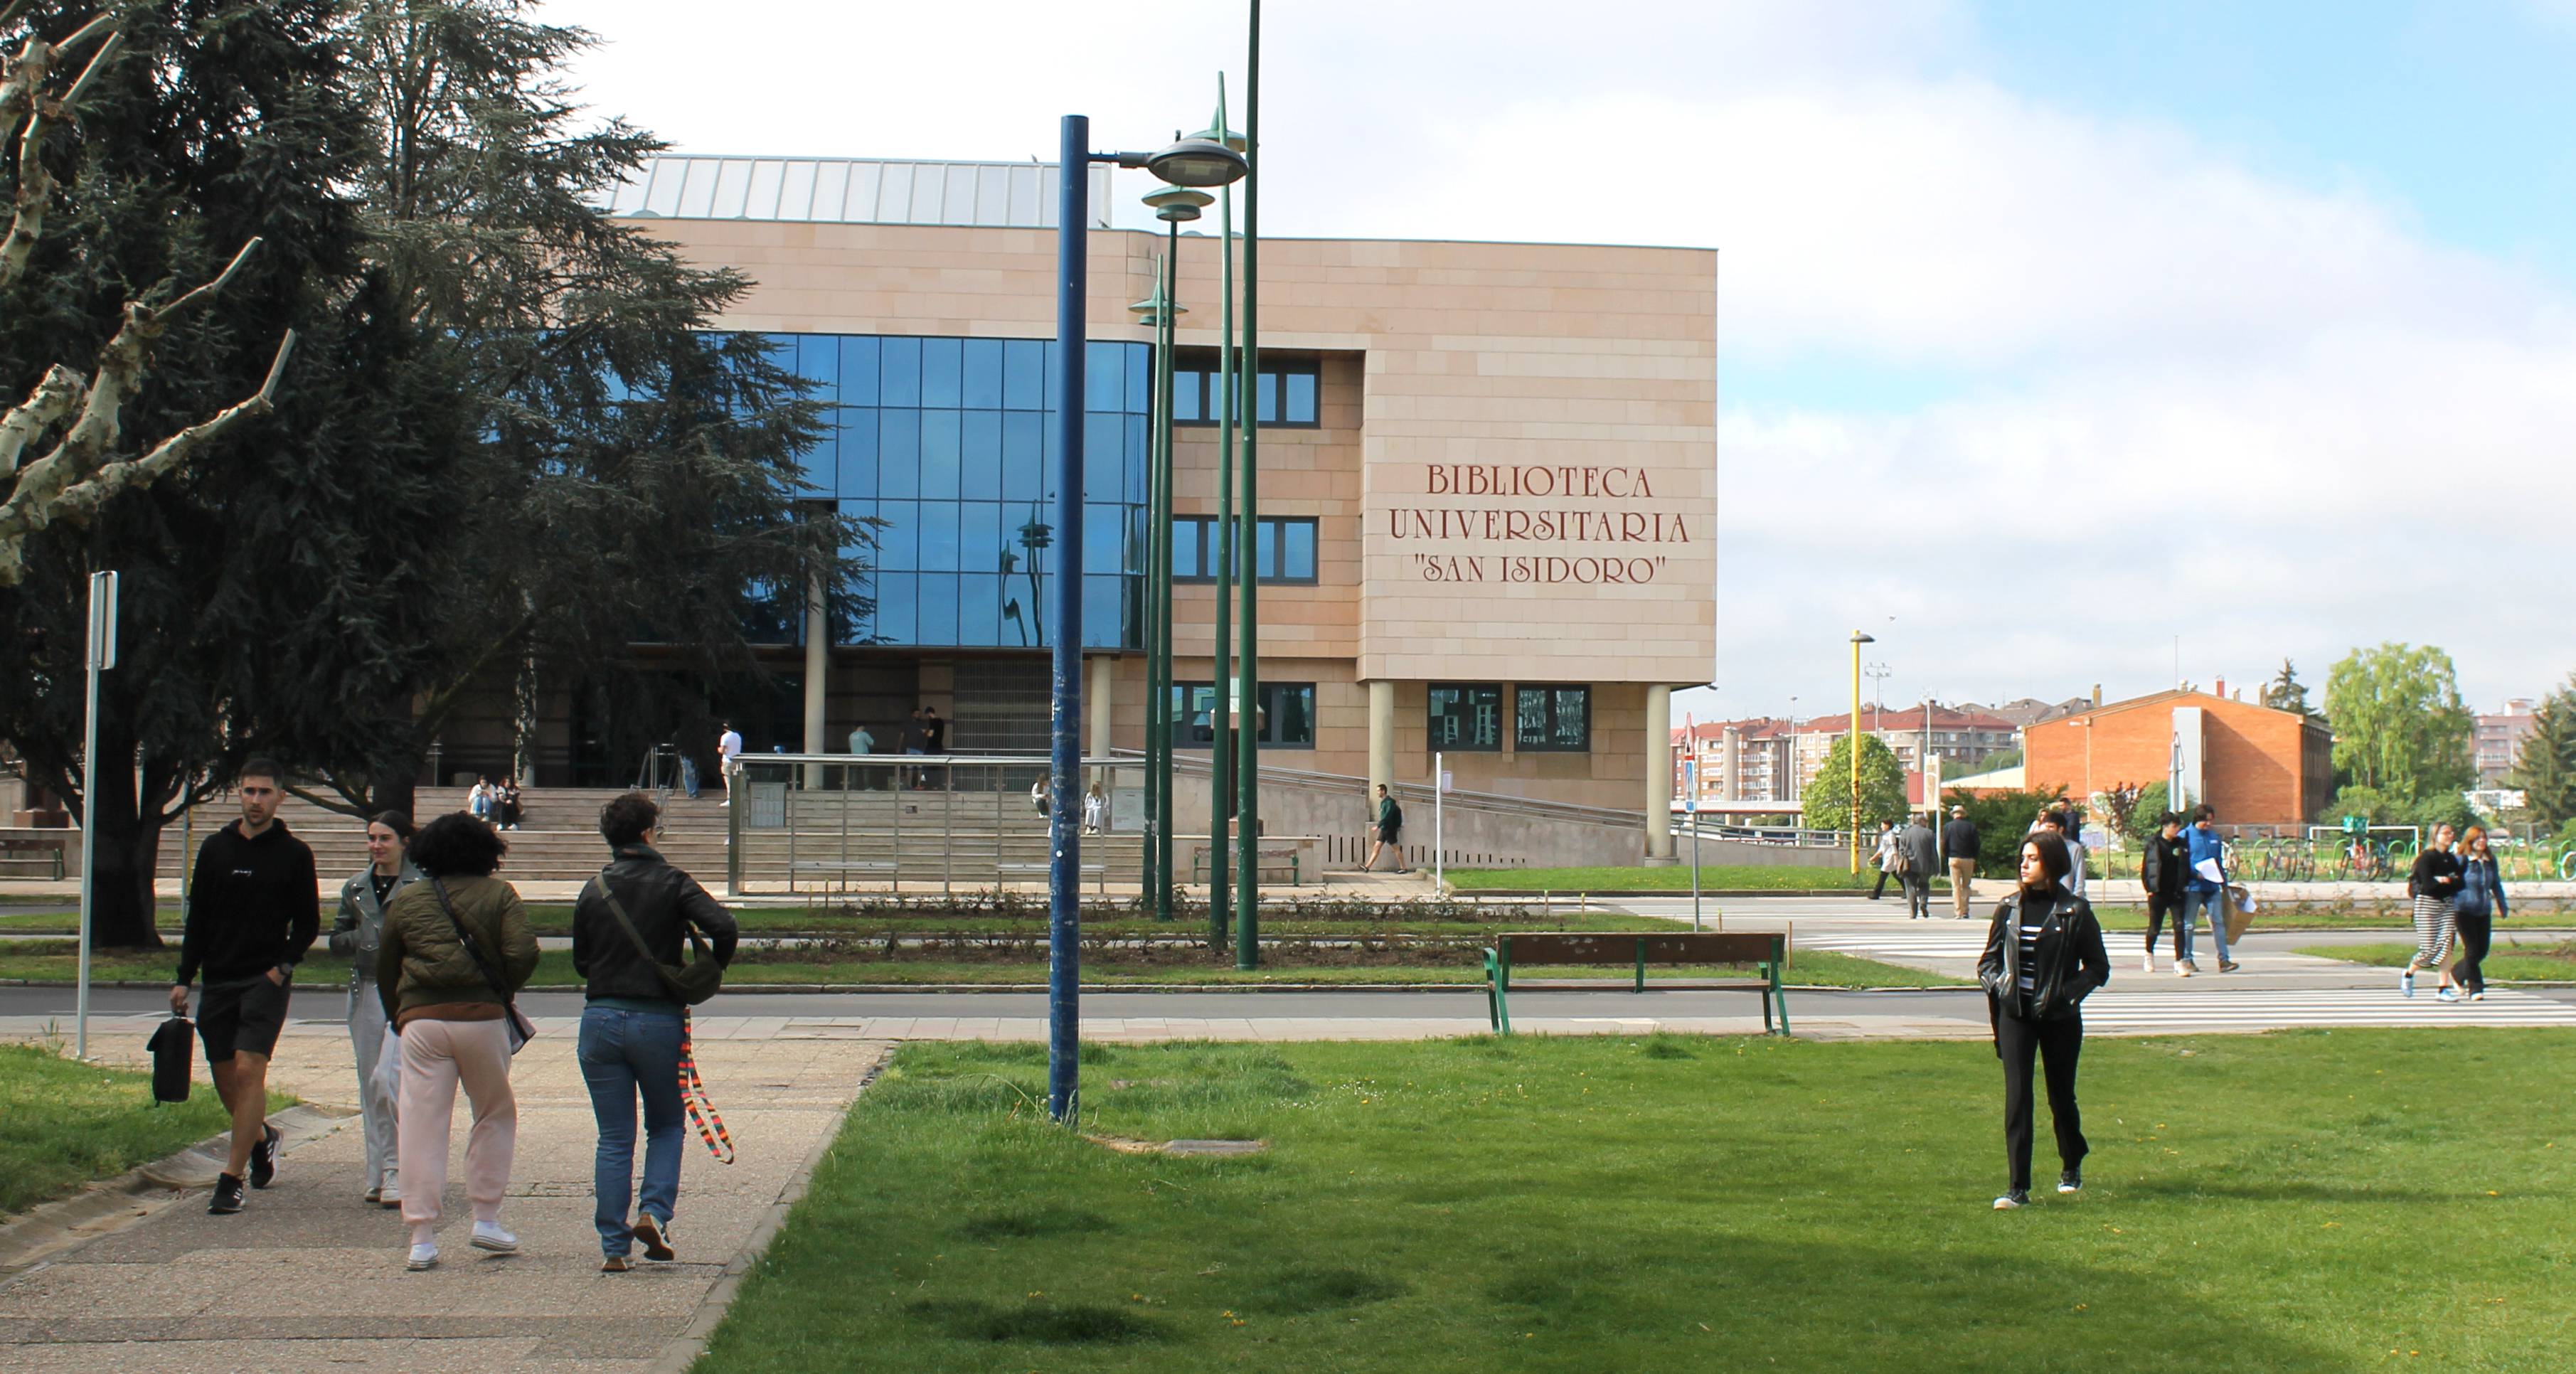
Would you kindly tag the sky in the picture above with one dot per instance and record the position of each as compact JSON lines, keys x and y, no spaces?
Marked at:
{"x":2051,"y":336}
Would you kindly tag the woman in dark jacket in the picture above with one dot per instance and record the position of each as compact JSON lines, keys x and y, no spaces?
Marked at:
{"x":632,"y":1027}
{"x":2479,"y":906}
{"x":2043,"y":957}
{"x":2165,"y":871}
{"x":2435,"y":886}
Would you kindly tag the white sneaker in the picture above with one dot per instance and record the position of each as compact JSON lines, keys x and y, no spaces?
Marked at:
{"x":2406,"y":983}
{"x":424,"y":1255}
{"x":2184,"y":968}
{"x":390,"y":1194}
{"x":488,"y":1235}
{"x":2478,"y":996}
{"x":2148,"y":963}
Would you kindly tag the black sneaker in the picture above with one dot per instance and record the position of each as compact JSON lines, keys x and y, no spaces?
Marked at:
{"x":263,"y":1157}
{"x":2018,"y":1197}
{"x":228,"y":1196}
{"x":2070,"y":1181}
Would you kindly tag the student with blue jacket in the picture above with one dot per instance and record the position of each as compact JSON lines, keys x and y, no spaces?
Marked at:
{"x":2476,"y":910}
{"x":2203,"y":893}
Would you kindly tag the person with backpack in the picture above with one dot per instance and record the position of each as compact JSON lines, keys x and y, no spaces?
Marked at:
{"x":628,"y":929}
{"x":455,"y":951}
{"x":1389,"y":830}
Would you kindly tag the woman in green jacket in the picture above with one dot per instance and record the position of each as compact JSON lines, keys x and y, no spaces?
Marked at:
{"x":455,"y":952}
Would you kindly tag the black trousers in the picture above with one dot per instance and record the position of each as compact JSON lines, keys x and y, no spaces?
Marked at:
{"x":1881,"y":890}
{"x":1918,"y":894}
{"x":2158,"y":908}
{"x":2477,"y":933}
{"x":2056,"y":1044}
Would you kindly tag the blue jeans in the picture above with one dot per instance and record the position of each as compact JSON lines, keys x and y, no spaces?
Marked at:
{"x":624,"y":1053}
{"x":2194,"y":904}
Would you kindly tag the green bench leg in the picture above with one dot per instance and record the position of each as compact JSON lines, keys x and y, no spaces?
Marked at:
{"x":1498,"y":1010}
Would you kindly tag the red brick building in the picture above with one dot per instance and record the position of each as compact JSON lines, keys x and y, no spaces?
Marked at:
{"x":2257,"y":765}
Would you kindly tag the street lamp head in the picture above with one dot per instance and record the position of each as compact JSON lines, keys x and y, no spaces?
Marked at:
{"x":1178,"y":204}
{"x":1859,"y":638}
{"x":1198,"y":162}
{"x":1225,"y":138}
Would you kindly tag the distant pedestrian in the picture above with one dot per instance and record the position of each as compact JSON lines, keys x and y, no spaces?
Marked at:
{"x":2204,"y":890}
{"x":1884,"y":858}
{"x":2062,"y":825}
{"x":1918,"y":857}
{"x":2165,"y":871}
{"x":1095,"y":809}
{"x":934,"y":740}
{"x":2043,"y":957}
{"x":356,"y":934}
{"x":1959,"y":845}
{"x":728,"y":757}
{"x":2435,"y":886}
{"x":1038,"y":795}
{"x":456,"y":950}
{"x":862,"y":743}
{"x":254,"y":908}
{"x":2479,"y":906}
{"x":916,"y":740}
{"x":1389,"y":831}
{"x":630,"y":923}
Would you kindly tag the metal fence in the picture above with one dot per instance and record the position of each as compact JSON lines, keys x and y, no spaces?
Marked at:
{"x":821,"y":823}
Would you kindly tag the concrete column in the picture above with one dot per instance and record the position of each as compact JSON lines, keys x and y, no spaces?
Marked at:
{"x":1381,"y":755}
{"x":818,"y":676}
{"x":1099,"y":672}
{"x":1659,"y":774}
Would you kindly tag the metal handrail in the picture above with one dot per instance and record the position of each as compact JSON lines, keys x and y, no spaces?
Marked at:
{"x":1503,"y":802}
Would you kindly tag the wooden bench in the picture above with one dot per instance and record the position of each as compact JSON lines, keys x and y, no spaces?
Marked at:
{"x":1268,"y":863}
{"x":43,"y":858}
{"x":1099,"y":873}
{"x":1768,"y":952}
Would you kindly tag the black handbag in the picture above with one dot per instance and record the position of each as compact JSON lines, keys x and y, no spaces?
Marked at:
{"x":173,"y":1050}
{"x":521,"y":1030}
{"x":689,"y":983}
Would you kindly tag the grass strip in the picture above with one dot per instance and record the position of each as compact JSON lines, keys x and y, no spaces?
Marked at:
{"x":64,"y":1124}
{"x":1675,"y":1203}
{"x":2510,"y":961}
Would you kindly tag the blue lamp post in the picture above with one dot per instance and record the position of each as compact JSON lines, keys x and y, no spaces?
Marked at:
{"x":1190,"y":162}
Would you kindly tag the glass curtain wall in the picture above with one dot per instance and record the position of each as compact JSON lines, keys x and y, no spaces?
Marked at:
{"x":947,"y":442}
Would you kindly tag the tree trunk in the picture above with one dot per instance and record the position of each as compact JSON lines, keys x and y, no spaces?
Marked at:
{"x":128,"y":850}
{"x":398,"y":793}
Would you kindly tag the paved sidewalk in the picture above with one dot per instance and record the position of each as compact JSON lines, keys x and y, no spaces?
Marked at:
{"x":311,"y":1279}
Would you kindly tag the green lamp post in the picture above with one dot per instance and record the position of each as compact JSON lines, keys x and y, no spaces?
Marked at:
{"x":1221,"y":550}
{"x":1175,"y":206}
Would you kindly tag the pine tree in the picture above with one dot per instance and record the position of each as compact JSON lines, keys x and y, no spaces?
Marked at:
{"x":2545,"y":768}
{"x":2286,"y":692}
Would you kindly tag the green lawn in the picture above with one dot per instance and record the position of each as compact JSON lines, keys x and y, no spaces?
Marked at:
{"x":2510,"y":961}
{"x":54,"y":961}
{"x":2296,"y":1202}
{"x":63,"y":1124}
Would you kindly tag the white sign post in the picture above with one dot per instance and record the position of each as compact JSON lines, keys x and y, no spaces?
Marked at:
{"x":1439,"y":792}
{"x":102,"y":656}
{"x":1690,"y":789}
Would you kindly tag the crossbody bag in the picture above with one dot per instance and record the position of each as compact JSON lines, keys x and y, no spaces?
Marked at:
{"x":689,"y":983}
{"x":521,"y":1030}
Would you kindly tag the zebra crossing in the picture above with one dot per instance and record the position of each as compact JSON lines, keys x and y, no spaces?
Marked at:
{"x":2249,"y":1007}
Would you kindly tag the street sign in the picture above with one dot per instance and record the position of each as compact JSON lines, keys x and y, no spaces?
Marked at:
{"x":1448,"y":780}
{"x":102,"y":657}
{"x":102,"y":620}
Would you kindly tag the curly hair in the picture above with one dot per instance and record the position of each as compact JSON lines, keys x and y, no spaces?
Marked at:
{"x":457,"y":845}
{"x":627,"y":819}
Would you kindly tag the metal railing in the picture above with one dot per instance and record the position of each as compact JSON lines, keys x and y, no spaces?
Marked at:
{"x":827,"y":822}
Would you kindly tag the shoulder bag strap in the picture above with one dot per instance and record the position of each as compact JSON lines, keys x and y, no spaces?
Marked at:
{"x":473,"y":951}
{"x":627,"y":924}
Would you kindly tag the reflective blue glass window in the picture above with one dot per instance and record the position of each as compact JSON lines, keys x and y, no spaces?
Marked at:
{"x":898,"y":452}
{"x":1265,"y":396}
{"x":939,"y":448}
{"x":1104,"y":379}
{"x":938,"y":536}
{"x":895,"y":604}
{"x":982,"y":388}
{"x":1023,"y":451}
{"x":821,"y":463}
{"x":979,"y":608}
{"x":859,"y":363}
{"x":1140,"y":381}
{"x":1104,"y":548}
{"x":942,"y":383}
{"x":935,"y":614}
{"x":899,"y":539}
{"x":1297,"y":553}
{"x":1020,"y":611}
{"x":1187,"y":390}
{"x":1103,"y":606}
{"x":1053,"y":400}
{"x":1265,"y":551}
{"x":1024,"y":374}
{"x":900,"y":383}
{"x":818,"y":360}
{"x":979,"y":455}
{"x":979,"y":536}
{"x":1301,"y":398}
{"x":858,"y":452}
{"x":1104,"y":448}
{"x":1189,"y":547}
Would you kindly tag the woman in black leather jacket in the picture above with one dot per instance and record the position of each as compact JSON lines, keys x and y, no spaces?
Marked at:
{"x":2043,"y":957}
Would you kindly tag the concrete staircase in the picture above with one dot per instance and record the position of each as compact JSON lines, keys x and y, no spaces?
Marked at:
{"x":558,"y":834}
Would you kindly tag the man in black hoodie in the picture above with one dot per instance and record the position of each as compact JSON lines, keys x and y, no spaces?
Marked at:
{"x":253,"y":909}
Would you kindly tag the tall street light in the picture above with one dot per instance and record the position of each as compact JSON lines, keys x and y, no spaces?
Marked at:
{"x":1174,"y":205}
{"x":1247,"y":780}
{"x":1220,"y":551}
{"x":1189,"y":162}
{"x":1858,"y":639}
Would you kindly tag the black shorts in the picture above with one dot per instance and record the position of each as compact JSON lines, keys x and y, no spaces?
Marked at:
{"x":243,"y":1017}
{"x":1390,"y":834}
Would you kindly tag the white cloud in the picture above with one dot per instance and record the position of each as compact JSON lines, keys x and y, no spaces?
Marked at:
{"x":2274,"y":418}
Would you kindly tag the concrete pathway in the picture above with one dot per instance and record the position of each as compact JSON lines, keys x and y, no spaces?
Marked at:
{"x":311,"y":1279}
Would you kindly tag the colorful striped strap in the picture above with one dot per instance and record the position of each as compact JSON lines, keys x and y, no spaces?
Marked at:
{"x":702,"y":1109}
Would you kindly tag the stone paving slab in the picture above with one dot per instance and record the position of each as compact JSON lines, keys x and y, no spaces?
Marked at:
{"x":314,"y":1278}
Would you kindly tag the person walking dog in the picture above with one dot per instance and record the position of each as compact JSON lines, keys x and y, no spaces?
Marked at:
{"x":253,"y":910}
{"x":357,"y":933}
{"x":2435,"y":886}
{"x":456,"y":950}
{"x":628,"y":928}
{"x":2043,"y":957}
{"x":2474,"y":913}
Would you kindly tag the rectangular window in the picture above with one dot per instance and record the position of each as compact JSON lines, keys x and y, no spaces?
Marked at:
{"x":1552,"y":718}
{"x":1287,"y":715}
{"x":1466,"y":716}
{"x":1283,"y":395}
{"x":1284,"y":553}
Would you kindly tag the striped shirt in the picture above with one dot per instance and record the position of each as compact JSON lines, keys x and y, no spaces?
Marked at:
{"x":2031,"y":923}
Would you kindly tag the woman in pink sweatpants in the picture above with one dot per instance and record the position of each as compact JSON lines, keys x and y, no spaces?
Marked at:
{"x":456,"y":951}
